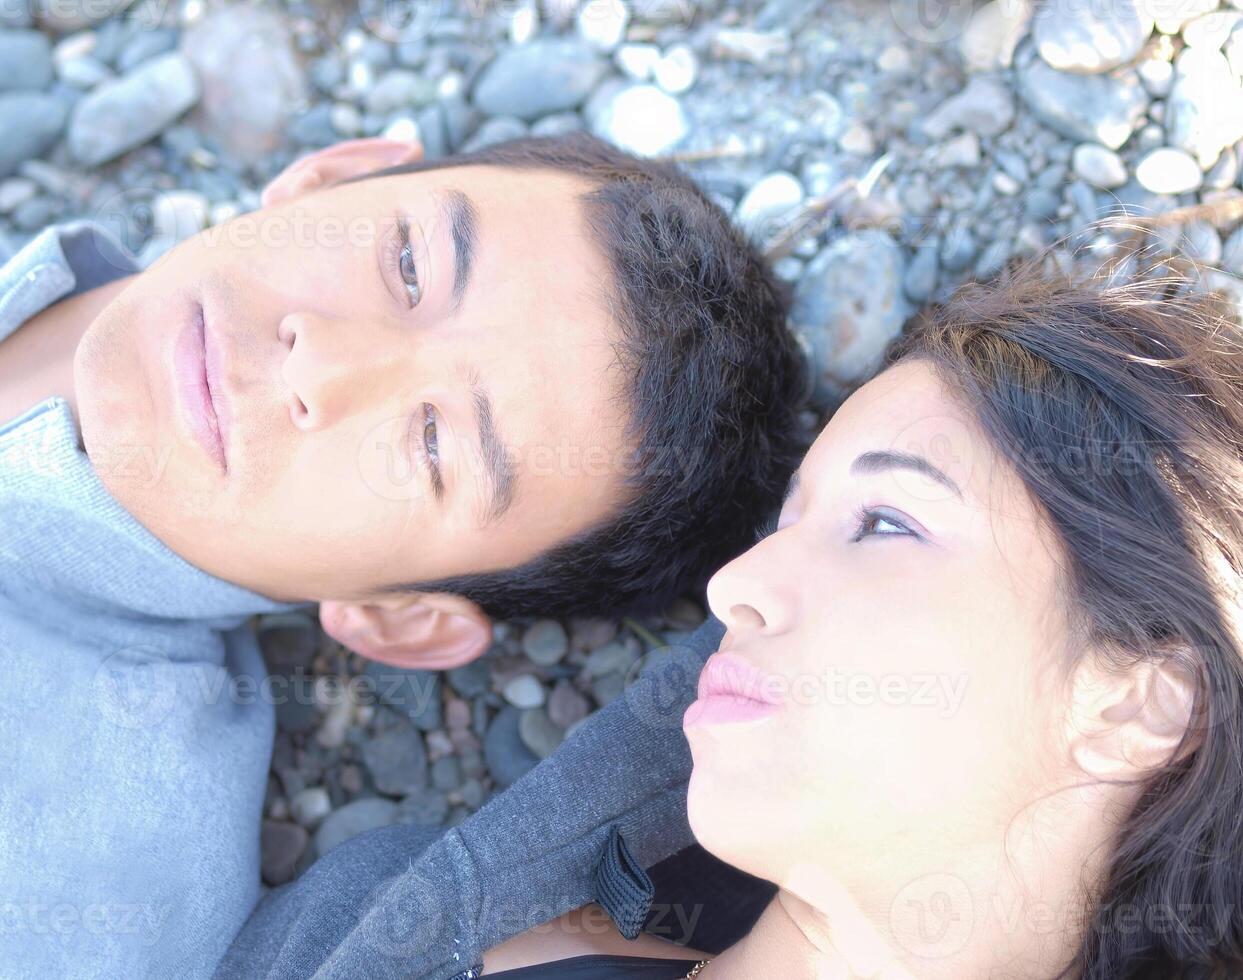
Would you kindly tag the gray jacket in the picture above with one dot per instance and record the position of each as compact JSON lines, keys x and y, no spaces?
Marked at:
{"x":602,"y":819}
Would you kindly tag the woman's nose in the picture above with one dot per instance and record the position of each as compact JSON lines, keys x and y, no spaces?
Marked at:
{"x":332,"y":366}
{"x":754,"y":593}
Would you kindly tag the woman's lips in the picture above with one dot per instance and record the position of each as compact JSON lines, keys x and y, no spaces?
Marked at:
{"x":731,"y":690}
{"x":192,"y":371}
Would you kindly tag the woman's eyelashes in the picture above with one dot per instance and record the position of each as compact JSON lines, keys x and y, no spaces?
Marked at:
{"x":407,"y":271}
{"x":875,"y":522}
{"x":426,"y":444}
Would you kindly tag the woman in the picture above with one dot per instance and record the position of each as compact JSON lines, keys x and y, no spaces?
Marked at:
{"x":1011,"y":743}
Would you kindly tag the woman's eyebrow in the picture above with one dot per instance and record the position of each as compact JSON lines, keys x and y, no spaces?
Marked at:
{"x":463,"y":221}
{"x":878,"y":461}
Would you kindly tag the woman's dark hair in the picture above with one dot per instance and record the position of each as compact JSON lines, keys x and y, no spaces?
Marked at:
{"x":1121,"y":407}
{"x":715,"y":380}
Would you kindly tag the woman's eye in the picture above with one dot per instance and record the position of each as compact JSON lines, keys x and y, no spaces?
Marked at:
{"x":875,"y":523}
{"x":406,"y":268}
{"x":429,"y":434}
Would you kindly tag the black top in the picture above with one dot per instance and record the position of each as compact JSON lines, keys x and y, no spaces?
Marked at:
{"x":601,"y":968}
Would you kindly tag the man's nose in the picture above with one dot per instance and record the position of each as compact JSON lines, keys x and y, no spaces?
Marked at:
{"x":333,"y":366}
{"x":755,"y":593}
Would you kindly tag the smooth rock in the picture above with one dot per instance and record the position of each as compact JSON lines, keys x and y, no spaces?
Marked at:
{"x":1211,"y":30}
{"x":353,"y":819}
{"x":144,"y":46}
{"x":1225,"y":171}
{"x":1166,"y":170}
{"x":1232,"y":252}
{"x":25,"y":60}
{"x":769,"y":204}
{"x":610,"y":658}
{"x":397,"y":761}
{"x":446,"y":773}
{"x":849,"y":305}
{"x":427,"y":807}
{"x":125,"y":113}
{"x":641,"y":119}
{"x":507,"y":757}
{"x":524,"y":691}
{"x":1099,"y":165}
{"x":310,"y":806}
{"x":963,"y":151}
{"x":470,"y":680}
{"x":546,"y":75}
{"x":31,"y":123}
{"x":498,"y":129}
{"x":252,"y":78}
{"x":1157,"y":76}
{"x":16,"y":191}
{"x":985,"y":107}
{"x":1076,"y":36}
{"x":545,"y":642}
{"x":1204,"y":111}
{"x":1104,"y":109}
{"x":413,"y":693}
{"x":538,"y":733}
{"x":637,"y":61}
{"x":280,"y":846}
{"x":566,"y":705}
{"x":920,"y":281}
{"x":1202,"y":243}
{"x":990,"y":37}
{"x":602,"y":23}
{"x":677,"y":69}
{"x":179,"y":214}
{"x":71,"y":15}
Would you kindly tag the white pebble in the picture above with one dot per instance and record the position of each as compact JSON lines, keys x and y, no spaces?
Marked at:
{"x":1166,"y":170}
{"x":768,"y":204}
{"x":1099,"y":165}
{"x":637,"y":60}
{"x":179,"y":214}
{"x":309,"y":806}
{"x":602,"y":23}
{"x":524,"y":691}
{"x":675,"y":72}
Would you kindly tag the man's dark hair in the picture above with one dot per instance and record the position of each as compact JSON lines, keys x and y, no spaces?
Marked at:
{"x":714,"y":379}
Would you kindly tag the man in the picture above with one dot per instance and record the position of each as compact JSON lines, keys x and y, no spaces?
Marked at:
{"x":546,"y":377}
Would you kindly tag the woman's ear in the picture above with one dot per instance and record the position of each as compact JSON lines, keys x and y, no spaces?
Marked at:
{"x":425,"y":631}
{"x":349,"y":158}
{"x":1130,"y":721}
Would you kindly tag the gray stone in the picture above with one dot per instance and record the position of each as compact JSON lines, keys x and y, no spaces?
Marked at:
{"x":507,"y":757}
{"x":641,"y":119}
{"x":498,"y":129}
{"x":1204,"y":112}
{"x":353,"y":819}
{"x":532,"y":80}
{"x":849,"y":305}
{"x":427,"y":807}
{"x":566,"y":705}
{"x":62,"y":16}
{"x":31,"y":123}
{"x":397,"y":761}
{"x":470,"y":680}
{"x":538,"y":733}
{"x":314,"y":127}
{"x":545,"y":642}
{"x":1232,"y":252}
{"x":1075,"y":36}
{"x":413,"y":693}
{"x":984,"y":107}
{"x":1157,"y":75}
{"x":608,"y":688}
{"x":920,"y":281}
{"x":26,"y":57}
{"x":398,"y":88}
{"x":523,"y":691}
{"x":602,"y":23}
{"x":769,"y":204}
{"x":125,"y":113}
{"x":1225,"y":171}
{"x":959,"y":248}
{"x":1104,"y":109}
{"x":310,"y":806}
{"x":446,"y":773}
{"x":280,"y":846}
{"x":1202,"y":243}
{"x":1166,"y":170}
{"x":1099,"y":165}
{"x":610,"y":658}
{"x":558,"y":124}
{"x":16,"y":191}
{"x":144,"y":46}
{"x":961,"y":152}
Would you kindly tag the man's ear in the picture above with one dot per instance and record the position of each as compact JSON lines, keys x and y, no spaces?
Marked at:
{"x":1128,"y":722}
{"x":337,"y":162}
{"x":426,"y":631}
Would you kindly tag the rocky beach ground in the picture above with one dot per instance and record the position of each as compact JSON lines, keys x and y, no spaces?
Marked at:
{"x":881,"y":152}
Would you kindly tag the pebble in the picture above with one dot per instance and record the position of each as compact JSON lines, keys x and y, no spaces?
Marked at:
{"x":849,"y":305}
{"x":524,"y":691}
{"x":591,"y":634}
{"x":146,"y":45}
{"x":1093,"y":108}
{"x":122,"y":114}
{"x":426,"y":807}
{"x":1075,"y":36}
{"x":498,"y":129}
{"x":1166,"y":170}
{"x":539,"y":733}
{"x":1099,"y":165}
{"x":1232,"y":252}
{"x":607,"y":688}
{"x":532,"y":80}
{"x":602,"y":23}
{"x":470,"y":680}
{"x":545,"y":642}
{"x":16,"y":191}
{"x":179,"y":214}
{"x":963,"y":151}
{"x":566,"y":705}
{"x":677,"y":69}
{"x":920,"y":281}
{"x":637,"y":61}
{"x":413,"y":693}
{"x":992,"y":33}
{"x":1171,"y":15}
{"x":1202,"y":243}
{"x":280,"y":846}
{"x":288,"y":640}
{"x":397,"y":761}
{"x":1157,"y":76}
{"x":769,"y":205}
{"x":507,"y":757}
{"x":984,"y":107}
{"x":398,"y":88}
{"x":310,"y":806}
{"x":1204,"y":111}
{"x":446,"y":773}
{"x":1225,"y":172}
{"x":31,"y":123}
{"x":353,"y":819}
{"x":27,"y":60}
{"x":61,"y":17}
{"x":1211,"y":30}
{"x":610,"y":658}
{"x":641,"y":119}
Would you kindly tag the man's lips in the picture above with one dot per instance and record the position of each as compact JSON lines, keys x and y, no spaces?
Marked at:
{"x":732,"y":690}
{"x":195,"y":368}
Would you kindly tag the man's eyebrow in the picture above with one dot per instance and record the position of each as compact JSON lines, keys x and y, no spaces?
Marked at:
{"x":879,"y":460}
{"x":464,"y":231}
{"x":496,"y":458}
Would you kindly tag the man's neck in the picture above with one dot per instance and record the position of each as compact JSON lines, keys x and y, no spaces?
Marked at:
{"x":36,"y":360}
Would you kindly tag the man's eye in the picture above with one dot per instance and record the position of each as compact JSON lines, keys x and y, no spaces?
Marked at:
{"x":406,"y":268}
{"x":871,"y":523}
{"x":429,"y":435}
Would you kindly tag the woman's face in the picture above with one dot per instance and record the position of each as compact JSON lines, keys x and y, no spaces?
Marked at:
{"x":908,"y":616}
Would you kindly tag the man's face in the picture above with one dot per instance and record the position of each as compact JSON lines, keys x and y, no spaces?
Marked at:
{"x":386,"y":414}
